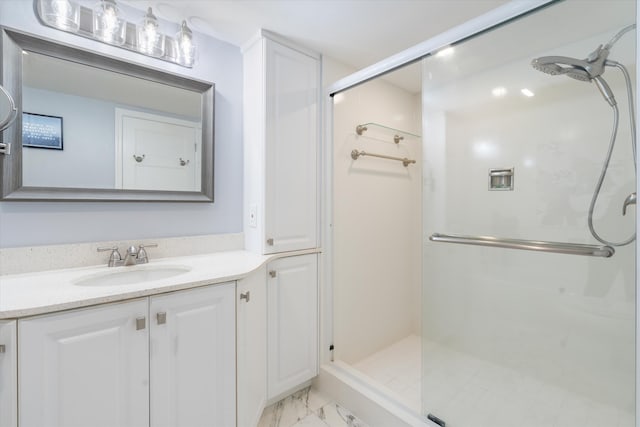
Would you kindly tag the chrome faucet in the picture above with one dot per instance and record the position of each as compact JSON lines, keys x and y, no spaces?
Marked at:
{"x":630,"y":200}
{"x":134,"y":255}
{"x":131,"y":258}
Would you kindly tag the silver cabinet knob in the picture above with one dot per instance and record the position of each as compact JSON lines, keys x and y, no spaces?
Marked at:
{"x":270,"y":242}
{"x":245,"y":296}
{"x":141,"y":323}
{"x":273,"y":273}
{"x":161,"y":317}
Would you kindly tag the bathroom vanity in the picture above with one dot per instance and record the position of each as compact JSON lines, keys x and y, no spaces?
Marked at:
{"x":83,"y":347}
{"x":183,"y":340}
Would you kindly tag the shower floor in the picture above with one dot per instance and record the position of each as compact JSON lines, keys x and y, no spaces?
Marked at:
{"x":469,"y":392}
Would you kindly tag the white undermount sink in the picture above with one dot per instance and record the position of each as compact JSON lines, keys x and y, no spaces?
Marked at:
{"x":132,"y":275}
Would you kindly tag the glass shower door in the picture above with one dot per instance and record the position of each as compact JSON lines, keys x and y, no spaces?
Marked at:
{"x":524,"y":337}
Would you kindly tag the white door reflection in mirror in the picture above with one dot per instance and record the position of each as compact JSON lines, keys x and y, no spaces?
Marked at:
{"x":157,"y":152}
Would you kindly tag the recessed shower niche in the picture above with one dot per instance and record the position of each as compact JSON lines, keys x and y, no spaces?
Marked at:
{"x":501,"y":179}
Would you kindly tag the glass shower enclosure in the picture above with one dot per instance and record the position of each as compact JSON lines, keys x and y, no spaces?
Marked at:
{"x":528,"y":269}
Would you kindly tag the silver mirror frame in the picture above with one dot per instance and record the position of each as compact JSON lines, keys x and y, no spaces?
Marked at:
{"x":12,"y":43}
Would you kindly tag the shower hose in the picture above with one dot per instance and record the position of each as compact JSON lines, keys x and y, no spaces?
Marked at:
{"x":612,"y":143}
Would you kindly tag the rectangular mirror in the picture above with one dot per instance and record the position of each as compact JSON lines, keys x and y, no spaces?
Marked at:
{"x":91,"y":127}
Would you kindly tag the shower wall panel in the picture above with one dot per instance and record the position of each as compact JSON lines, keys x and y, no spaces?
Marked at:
{"x":377,"y":221}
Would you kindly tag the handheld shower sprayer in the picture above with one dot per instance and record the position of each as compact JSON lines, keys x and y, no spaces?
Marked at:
{"x":591,"y":69}
{"x":586,"y":70}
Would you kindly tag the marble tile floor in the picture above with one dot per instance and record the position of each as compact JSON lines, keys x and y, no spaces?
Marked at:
{"x":308,"y":408}
{"x":469,"y":392}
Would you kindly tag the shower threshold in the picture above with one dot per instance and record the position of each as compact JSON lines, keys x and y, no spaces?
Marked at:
{"x":466,"y":391}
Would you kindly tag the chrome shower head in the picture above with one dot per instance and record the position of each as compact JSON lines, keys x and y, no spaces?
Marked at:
{"x":579,"y":69}
{"x":584,"y":70}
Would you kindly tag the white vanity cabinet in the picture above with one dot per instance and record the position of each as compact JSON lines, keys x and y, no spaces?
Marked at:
{"x":292,"y":289}
{"x":193,"y":357}
{"x":166,"y":360}
{"x":251,"y":327}
{"x":87,"y":367}
{"x":281,"y":140}
{"x":8,"y":374}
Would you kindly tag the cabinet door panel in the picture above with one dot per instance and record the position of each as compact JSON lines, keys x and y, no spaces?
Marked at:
{"x":8,"y":375}
{"x":252,"y":347}
{"x":85,"y":367}
{"x":291,"y":86}
{"x":193,"y":358}
{"x":293,"y":322}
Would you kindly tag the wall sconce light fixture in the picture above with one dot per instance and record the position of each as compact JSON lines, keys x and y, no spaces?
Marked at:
{"x":105,"y":24}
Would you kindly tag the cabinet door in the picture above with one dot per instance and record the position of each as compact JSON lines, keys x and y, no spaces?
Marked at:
{"x":8,"y":374}
{"x":291,"y":124}
{"x":86,"y":367}
{"x":292,"y":289}
{"x":251,"y":300}
{"x":193,"y":358}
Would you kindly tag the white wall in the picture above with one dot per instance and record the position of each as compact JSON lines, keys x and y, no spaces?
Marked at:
{"x":87,"y":158}
{"x":376,"y":221}
{"x":562,"y":319}
{"x":41,"y":223}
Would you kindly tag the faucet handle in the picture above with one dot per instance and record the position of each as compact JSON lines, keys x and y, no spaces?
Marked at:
{"x":115,"y":256}
{"x":143,"y":258}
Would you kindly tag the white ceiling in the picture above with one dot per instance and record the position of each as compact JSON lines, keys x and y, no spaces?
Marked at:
{"x":357,"y":33}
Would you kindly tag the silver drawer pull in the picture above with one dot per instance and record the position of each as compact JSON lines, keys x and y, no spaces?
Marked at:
{"x":161,"y":318}
{"x":3,"y":348}
{"x":246,"y":296}
{"x":141,"y":323}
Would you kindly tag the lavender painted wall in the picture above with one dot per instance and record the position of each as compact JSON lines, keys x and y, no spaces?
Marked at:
{"x":44,"y":223}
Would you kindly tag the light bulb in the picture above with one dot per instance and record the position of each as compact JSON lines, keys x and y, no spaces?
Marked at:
{"x":60,"y":14}
{"x":186,"y":50}
{"x":150,"y":40}
{"x":107,"y":25}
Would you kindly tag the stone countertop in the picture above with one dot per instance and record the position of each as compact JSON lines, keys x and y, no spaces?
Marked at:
{"x":43,"y":292}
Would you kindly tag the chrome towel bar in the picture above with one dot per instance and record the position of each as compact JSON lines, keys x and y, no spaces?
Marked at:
{"x":355,"y":154}
{"x":527,"y":245}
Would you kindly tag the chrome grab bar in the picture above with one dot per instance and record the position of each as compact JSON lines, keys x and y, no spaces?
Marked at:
{"x":406,"y":162}
{"x":528,"y":245}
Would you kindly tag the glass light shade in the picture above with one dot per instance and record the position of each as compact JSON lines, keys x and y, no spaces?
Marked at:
{"x":150,"y":40}
{"x":107,"y":24}
{"x":185,"y":48}
{"x":60,"y":14}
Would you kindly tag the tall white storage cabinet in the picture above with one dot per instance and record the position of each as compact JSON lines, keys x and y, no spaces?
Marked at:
{"x":292,"y":289}
{"x":8,"y":374}
{"x":282,"y":134}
